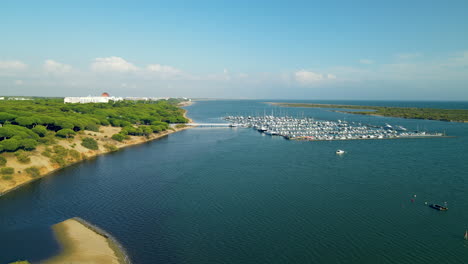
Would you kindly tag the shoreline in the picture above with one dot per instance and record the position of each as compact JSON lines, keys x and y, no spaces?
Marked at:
{"x":47,"y":167}
{"x":83,"y":242}
{"x":410,"y":112}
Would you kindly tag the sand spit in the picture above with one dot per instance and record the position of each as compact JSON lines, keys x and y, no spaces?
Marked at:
{"x":84,"y":243}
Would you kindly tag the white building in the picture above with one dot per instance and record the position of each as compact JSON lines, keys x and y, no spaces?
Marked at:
{"x":91,"y":99}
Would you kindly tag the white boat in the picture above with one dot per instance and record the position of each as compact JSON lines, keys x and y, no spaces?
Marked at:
{"x":339,"y":152}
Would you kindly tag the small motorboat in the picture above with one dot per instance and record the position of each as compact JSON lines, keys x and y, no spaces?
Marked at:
{"x":339,"y":152}
{"x":438,"y":207}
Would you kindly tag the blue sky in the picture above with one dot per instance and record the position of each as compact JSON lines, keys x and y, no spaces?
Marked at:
{"x":237,"y":49}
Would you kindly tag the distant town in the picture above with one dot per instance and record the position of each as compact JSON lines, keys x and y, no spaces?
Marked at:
{"x":103,"y":98}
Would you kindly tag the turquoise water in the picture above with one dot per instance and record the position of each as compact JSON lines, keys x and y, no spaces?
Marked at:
{"x":222,"y":195}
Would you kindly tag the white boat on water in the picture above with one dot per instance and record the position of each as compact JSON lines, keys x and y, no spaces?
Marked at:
{"x":339,"y":152}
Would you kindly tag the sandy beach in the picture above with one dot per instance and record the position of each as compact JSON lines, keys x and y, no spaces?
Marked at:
{"x":82,"y":245}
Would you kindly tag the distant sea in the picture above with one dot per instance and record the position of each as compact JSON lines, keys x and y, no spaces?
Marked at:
{"x":234,"y":195}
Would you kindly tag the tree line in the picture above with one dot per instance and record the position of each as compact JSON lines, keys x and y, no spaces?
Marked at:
{"x":25,"y":124}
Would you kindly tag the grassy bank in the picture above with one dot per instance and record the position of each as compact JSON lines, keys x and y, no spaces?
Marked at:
{"x":46,"y":165}
{"x":61,"y":135}
{"x":449,"y":115}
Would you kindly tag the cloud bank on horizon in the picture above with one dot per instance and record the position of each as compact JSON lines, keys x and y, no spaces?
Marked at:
{"x":196,"y":52}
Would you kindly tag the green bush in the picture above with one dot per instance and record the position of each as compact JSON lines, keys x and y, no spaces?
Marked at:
{"x":90,"y":143}
{"x":48,"y":139}
{"x":47,"y":153}
{"x":60,"y":160}
{"x":92,"y":127}
{"x":7,"y":177}
{"x":33,"y":171}
{"x":74,"y":154}
{"x":22,"y":156}
{"x":60,"y":150}
{"x":7,"y":170}
{"x":110,"y":147}
{"x":119,"y":137}
{"x":3,"y":161}
{"x":65,"y":133}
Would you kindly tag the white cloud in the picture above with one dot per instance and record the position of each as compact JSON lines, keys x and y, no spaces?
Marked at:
{"x":12,"y":65}
{"x":112,"y":64}
{"x":158,"y":68}
{"x":305,"y":77}
{"x":54,"y":67}
{"x":366,"y":61}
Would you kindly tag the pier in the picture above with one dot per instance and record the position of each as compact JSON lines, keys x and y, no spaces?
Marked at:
{"x":209,"y":124}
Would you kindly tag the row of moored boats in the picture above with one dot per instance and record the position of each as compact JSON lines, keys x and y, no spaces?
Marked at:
{"x":311,"y":129}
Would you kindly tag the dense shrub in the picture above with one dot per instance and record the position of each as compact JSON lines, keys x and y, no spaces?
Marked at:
{"x":65,"y":133}
{"x":119,"y":137}
{"x":48,"y":139}
{"x":47,"y":153}
{"x":7,"y":177}
{"x":74,"y":154}
{"x":7,"y":170}
{"x":3,"y":161}
{"x":57,"y":159}
{"x":92,"y":127}
{"x":60,"y":150}
{"x":33,"y":171}
{"x":110,"y":147}
{"x":90,"y":143}
{"x":22,"y":156}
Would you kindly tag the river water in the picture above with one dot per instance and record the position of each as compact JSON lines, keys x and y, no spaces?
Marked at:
{"x":233,"y":195}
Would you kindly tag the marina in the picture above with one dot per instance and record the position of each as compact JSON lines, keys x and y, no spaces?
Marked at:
{"x":309,"y":129}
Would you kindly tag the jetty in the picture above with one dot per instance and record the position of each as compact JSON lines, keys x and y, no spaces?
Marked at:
{"x":209,"y":124}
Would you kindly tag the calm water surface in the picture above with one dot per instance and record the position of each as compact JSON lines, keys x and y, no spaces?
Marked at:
{"x":224,"y":195}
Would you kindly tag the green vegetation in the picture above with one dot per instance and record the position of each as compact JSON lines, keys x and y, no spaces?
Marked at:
{"x":90,"y":143}
{"x":22,"y":156}
{"x":452,"y":115}
{"x":65,"y":133}
{"x":7,"y":171}
{"x":21,"y":262}
{"x":3,"y":161}
{"x":110,"y":147}
{"x":74,"y":154}
{"x":33,"y":171}
{"x":119,"y":137}
{"x":26,"y":124}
